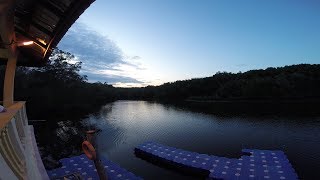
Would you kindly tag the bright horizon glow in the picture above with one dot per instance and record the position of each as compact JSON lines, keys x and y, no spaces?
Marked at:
{"x":153,"y":42}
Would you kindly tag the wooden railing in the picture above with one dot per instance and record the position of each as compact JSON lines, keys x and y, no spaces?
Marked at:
{"x":18,"y":155}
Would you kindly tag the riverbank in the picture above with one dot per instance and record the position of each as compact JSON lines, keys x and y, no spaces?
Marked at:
{"x":258,"y":107}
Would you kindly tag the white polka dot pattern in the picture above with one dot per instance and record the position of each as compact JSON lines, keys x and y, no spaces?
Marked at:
{"x":254,"y":164}
{"x":85,"y":168}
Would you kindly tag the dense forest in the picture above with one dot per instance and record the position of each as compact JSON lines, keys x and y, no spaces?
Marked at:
{"x":57,"y":89}
{"x":289,"y":82}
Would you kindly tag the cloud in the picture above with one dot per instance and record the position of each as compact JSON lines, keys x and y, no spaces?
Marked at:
{"x":102,"y":60}
{"x":136,"y":57}
{"x":113,"y":79}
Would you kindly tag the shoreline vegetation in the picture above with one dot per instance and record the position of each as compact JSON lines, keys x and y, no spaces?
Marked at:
{"x":58,"y":91}
{"x":59,"y":94}
{"x":265,"y":107}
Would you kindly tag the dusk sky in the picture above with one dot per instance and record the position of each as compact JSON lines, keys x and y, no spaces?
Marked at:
{"x":150,"y":42}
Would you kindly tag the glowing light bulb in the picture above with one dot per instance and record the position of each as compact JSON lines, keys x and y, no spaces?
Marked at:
{"x":27,"y":43}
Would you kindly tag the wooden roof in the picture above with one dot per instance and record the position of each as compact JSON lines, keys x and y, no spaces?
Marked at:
{"x":44,"y":22}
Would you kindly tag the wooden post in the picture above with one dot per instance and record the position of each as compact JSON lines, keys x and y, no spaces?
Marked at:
{"x":8,"y":36}
{"x":91,"y":137}
{"x":8,"y":88}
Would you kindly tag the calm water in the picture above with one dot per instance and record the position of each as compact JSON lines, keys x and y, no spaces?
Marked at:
{"x":125,"y":124}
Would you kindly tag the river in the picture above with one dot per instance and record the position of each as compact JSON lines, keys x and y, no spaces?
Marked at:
{"x":125,"y":124}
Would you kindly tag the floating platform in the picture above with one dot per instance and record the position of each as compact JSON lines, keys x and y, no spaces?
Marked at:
{"x":84,"y":167}
{"x":253,"y":164}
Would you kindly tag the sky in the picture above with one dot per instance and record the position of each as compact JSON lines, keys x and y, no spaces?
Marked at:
{"x":134,"y":43}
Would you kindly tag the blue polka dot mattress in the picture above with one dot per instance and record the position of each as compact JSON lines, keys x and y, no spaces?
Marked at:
{"x":85,"y":168}
{"x":253,"y":164}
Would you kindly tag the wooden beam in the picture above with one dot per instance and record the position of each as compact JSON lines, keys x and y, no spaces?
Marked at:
{"x":8,"y":89}
{"x":75,"y":9}
{"x":52,"y":8}
{"x":8,"y":36}
{"x":32,"y":23}
{"x":31,"y":38}
{"x":5,"y":6}
{"x":4,"y":54}
{"x":7,"y":32}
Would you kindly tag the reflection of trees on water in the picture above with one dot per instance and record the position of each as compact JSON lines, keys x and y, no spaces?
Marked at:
{"x":58,"y":141}
{"x":63,"y":139}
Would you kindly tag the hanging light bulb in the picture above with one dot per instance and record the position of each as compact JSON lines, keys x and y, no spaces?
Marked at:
{"x":25,"y":43}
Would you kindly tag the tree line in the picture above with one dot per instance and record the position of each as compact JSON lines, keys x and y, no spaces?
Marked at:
{"x":289,"y":82}
{"x":58,"y":90}
{"x":59,"y":94}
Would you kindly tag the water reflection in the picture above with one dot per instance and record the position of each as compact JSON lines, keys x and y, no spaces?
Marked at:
{"x":125,"y":124}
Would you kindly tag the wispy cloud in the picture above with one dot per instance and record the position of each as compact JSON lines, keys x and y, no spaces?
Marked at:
{"x":102,"y":60}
